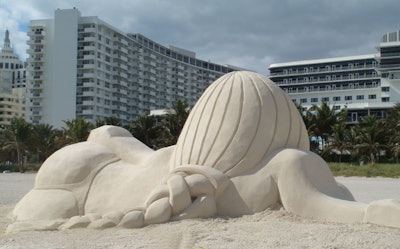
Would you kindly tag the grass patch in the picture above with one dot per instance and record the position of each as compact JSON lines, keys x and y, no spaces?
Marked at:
{"x":379,"y":169}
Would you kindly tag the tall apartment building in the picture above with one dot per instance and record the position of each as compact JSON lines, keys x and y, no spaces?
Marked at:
{"x":82,"y":67}
{"x":12,"y":84}
{"x":364,"y":84}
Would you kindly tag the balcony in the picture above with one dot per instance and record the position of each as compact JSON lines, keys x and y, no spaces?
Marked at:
{"x":36,"y":113}
{"x":36,"y":68}
{"x":37,"y":86}
{"x":88,"y":84}
{"x":88,"y":75}
{"x":88,"y":102}
{"x":324,"y":70}
{"x":35,"y":33}
{"x":88,"y":66}
{"x":89,"y":48}
{"x":34,"y":96}
{"x":89,"y":57}
{"x":88,"y":94}
{"x":34,"y":42}
{"x":89,"y":38}
{"x":328,"y":89}
{"x":87,"y":112}
{"x":331,"y":80}
{"x":90,"y":30}
{"x":34,"y":51}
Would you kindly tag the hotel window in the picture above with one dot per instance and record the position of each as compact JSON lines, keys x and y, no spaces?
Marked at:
{"x":303,"y":100}
{"x":336,"y":98}
{"x":372,"y":96}
{"x":348,"y":97}
{"x":325,"y":99}
{"x":314,"y":100}
{"x":360,"y":97}
{"x":385,"y":99}
{"x":385,"y":89}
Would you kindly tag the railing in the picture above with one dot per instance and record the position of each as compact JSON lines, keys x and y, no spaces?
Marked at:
{"x":324,"y":70}
{"x":324,"y":89}
{"x":320,"y":81}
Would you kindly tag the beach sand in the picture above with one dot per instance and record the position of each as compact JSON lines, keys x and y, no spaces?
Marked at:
{"x":268,"y":229}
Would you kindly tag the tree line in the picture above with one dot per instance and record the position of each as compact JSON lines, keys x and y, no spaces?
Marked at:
{"x":370,"y":140}
{"x":22,"y":142}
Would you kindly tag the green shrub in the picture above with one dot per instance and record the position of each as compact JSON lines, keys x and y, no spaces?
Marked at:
{"x":380,"y":169}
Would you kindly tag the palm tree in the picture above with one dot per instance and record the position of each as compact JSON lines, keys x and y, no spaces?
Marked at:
{"x":44,"y":139}
{"x":17,"y":137}
{"x":392,"y":126}
{"x":108,"y":121}
{"x":371,"y":137}
{"x":340,"y":139}
{"x":146,"y":129}
{"x":322,"y":119}
{"x":176,"y":119}
{"x":77,"y":130}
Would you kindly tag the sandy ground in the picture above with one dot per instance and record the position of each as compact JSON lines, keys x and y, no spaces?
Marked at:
{"x":269,"y":229}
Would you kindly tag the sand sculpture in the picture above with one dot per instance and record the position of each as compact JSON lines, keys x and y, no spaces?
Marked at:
{"x":244,"y":148}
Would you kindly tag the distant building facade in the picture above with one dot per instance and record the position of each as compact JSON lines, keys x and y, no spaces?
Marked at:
{"x":364,"y":85}
{"x":12,"y":84}
{"x":82,"y":67}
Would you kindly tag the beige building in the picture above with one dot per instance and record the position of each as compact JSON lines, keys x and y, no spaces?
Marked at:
{"x":12,"y":105}
{"x":12,"y":84}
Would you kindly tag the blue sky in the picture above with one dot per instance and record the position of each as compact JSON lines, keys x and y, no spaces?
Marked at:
{"x":251,"y":34}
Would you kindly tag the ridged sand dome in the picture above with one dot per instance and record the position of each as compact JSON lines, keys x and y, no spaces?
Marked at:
{"x":239,"y":120}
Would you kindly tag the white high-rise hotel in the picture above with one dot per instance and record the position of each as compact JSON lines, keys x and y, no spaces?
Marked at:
{"x":82,"y":67}
{"x":364,"y":85}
